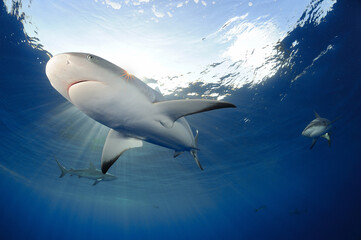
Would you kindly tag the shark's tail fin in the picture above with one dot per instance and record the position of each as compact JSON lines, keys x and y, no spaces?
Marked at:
{"x":194,"y":152}
{"x":62,"y":169}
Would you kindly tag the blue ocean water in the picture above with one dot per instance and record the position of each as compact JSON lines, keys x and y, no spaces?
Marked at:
{"x":261,"y":181}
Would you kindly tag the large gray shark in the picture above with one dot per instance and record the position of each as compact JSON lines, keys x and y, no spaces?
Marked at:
{"x":319,"y":127}
{"x":132,"y":110}
{"x":91,"y":173}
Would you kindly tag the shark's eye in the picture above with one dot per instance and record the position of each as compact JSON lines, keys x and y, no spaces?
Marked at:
{"x":89,"y":57}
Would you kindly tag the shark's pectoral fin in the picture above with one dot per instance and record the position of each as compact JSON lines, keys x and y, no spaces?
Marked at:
{"x":313,"y":142}
{"x":175,"y":109}
{"x":328,"y":138}
{"x":97,"y":181}
{"x":115,"y":145}
{"x":176,"y":154}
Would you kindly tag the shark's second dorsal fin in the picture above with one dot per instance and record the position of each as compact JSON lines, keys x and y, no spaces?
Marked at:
{"x":316,"y":115}
{"x":174,"y":109}
{"x":91,"y":166}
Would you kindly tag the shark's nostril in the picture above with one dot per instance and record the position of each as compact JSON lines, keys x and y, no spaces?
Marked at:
{"x":67,"y":60}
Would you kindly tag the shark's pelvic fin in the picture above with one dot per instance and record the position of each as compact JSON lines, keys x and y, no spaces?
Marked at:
{"x":313,"y":142}
{"x":62,"y":169}
{"x":97,"y":181}
{"x":317,"y":115}
{"x":166,"y":121}
{"x":194,"y":152}
{"x":327,"y":136}
{"x":174,"y":109}
{"x":115,"y":145}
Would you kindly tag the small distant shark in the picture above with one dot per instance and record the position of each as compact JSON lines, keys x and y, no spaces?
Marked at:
{"x":317,"y":128}
{"x":91,"y":173}
{"x":132,"y":110}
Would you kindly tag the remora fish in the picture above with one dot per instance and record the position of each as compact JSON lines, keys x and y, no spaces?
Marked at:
{"x":317,"y":128}
{"x":133,"y":111}
{"x":91,"y":173}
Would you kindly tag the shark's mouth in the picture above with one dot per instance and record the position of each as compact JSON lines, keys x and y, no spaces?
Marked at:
{"x":77,"y":82}
{"x":74,"y":83}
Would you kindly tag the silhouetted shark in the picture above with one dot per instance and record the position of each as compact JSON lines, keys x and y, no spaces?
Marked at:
{"x":91,"y":173}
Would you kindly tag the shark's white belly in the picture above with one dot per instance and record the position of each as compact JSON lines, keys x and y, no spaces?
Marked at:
{"x":88,"y":174}
{"x":126,"y":109}
{"x":315,"y":131}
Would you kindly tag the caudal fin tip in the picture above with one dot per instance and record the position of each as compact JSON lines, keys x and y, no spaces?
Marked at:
{"x":228,"y":105}
{"x":104,"y":170}
{"x":105,"y":165}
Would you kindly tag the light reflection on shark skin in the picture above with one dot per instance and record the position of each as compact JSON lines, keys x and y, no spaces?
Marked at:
{"x":90,"y":173}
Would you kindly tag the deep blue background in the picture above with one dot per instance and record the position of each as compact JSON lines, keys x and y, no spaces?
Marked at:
{"x":264,"y":162}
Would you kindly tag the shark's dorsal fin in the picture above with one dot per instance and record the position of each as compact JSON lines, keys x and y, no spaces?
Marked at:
{"x":316,"y":115}
{"x":171,"y":110}
{"x":115,"y":145}
{"x":91,"y":166}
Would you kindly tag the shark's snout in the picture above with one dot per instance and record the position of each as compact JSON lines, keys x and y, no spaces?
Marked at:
{"x":55,"y":63}
{"x":306,"y":132}
{"x":58,"y":72}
